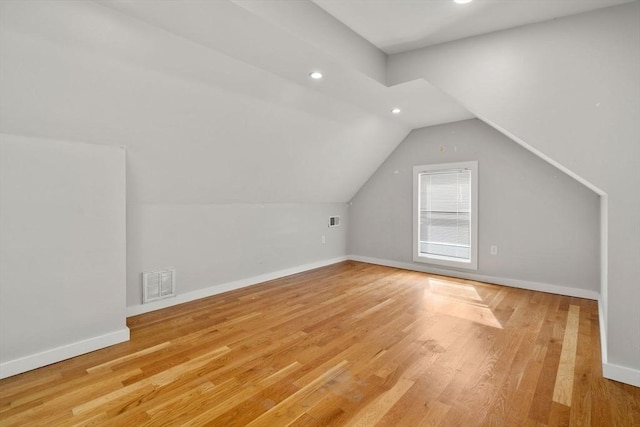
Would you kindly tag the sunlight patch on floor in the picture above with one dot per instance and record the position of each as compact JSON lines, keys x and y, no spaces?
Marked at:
{"x":459,"y":300}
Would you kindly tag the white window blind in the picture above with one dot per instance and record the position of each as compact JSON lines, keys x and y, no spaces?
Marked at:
{"x":445,"y":213}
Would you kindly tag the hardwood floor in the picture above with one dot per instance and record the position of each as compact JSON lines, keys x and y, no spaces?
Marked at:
{"x":351,"y":344}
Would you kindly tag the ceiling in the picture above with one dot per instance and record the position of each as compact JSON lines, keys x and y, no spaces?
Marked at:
{"x":348,"y":40}
{"x":399,"y":25}
{"x":213,"y":99}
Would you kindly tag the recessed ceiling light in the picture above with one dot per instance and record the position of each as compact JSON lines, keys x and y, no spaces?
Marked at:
{"x":462,"y":1}
{"x":316,"y":75}
{"x":396,"y":110}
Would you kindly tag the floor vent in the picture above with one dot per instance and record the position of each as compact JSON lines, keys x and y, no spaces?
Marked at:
{"x":158,"y":285}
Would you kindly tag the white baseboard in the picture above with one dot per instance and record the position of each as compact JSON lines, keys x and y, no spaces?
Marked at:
{"x":621,"y":374}
{"x":514,"y":283}
{"x":611,"y":371}
{"x":225,"y":287}
{"x":33,"y":361}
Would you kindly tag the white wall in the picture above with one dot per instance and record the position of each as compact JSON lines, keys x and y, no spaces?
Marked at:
{"x":545,"y":224}
{"x":232,"y":172}
{"x":62,"y":250}
{"x":569,"y":88}
{"x":212,"y":245}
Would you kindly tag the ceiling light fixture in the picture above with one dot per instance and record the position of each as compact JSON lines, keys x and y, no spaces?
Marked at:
{"x":396,"y":110}
{"x":462,"y":1}
{"x":316,"y":75}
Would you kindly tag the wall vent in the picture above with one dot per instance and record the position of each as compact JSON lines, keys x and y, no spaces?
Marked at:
{"x":158,"y":285}
{"x":334,"y":221}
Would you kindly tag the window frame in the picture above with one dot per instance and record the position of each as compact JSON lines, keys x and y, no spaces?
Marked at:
{"x":472,"y":264}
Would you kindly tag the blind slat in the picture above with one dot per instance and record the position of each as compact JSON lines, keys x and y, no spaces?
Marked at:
{"x":445,"y":213}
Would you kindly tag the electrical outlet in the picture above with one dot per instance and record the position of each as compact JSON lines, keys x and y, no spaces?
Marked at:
{"x":324,"y":240}
{"x":494,"y":250}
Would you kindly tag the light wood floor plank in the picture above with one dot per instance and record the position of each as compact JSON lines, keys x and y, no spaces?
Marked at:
{"x":347,"y":344}
{"x":373,"y":412}
{"x":564,"y":378}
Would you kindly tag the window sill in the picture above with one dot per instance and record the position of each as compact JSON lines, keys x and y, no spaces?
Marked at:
{"x":445,"y":261}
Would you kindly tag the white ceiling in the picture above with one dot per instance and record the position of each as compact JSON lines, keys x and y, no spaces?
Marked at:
{"x":212,"y":98}
{"x":199,"y":125}
{"x":400,"y":25}
{"x":286,"y":39}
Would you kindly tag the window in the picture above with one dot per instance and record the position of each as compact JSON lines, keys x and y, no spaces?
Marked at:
{"x":445,"y":214}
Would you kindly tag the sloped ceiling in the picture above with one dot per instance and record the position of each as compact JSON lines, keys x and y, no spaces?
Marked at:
{"x":212,"y":99}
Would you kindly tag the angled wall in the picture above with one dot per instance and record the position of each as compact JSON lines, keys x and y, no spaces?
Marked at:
{"x":568,"y":89}
{"x":232,"y":171}
{"x":544,"y":223}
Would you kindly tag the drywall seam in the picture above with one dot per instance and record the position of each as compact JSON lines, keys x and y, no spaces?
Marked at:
{"x":514,"y":283}
{"x":37,"y":360}
{"x":226,"y":287}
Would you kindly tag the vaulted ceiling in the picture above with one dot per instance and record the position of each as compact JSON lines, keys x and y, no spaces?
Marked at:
{"x":213,"y":99}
